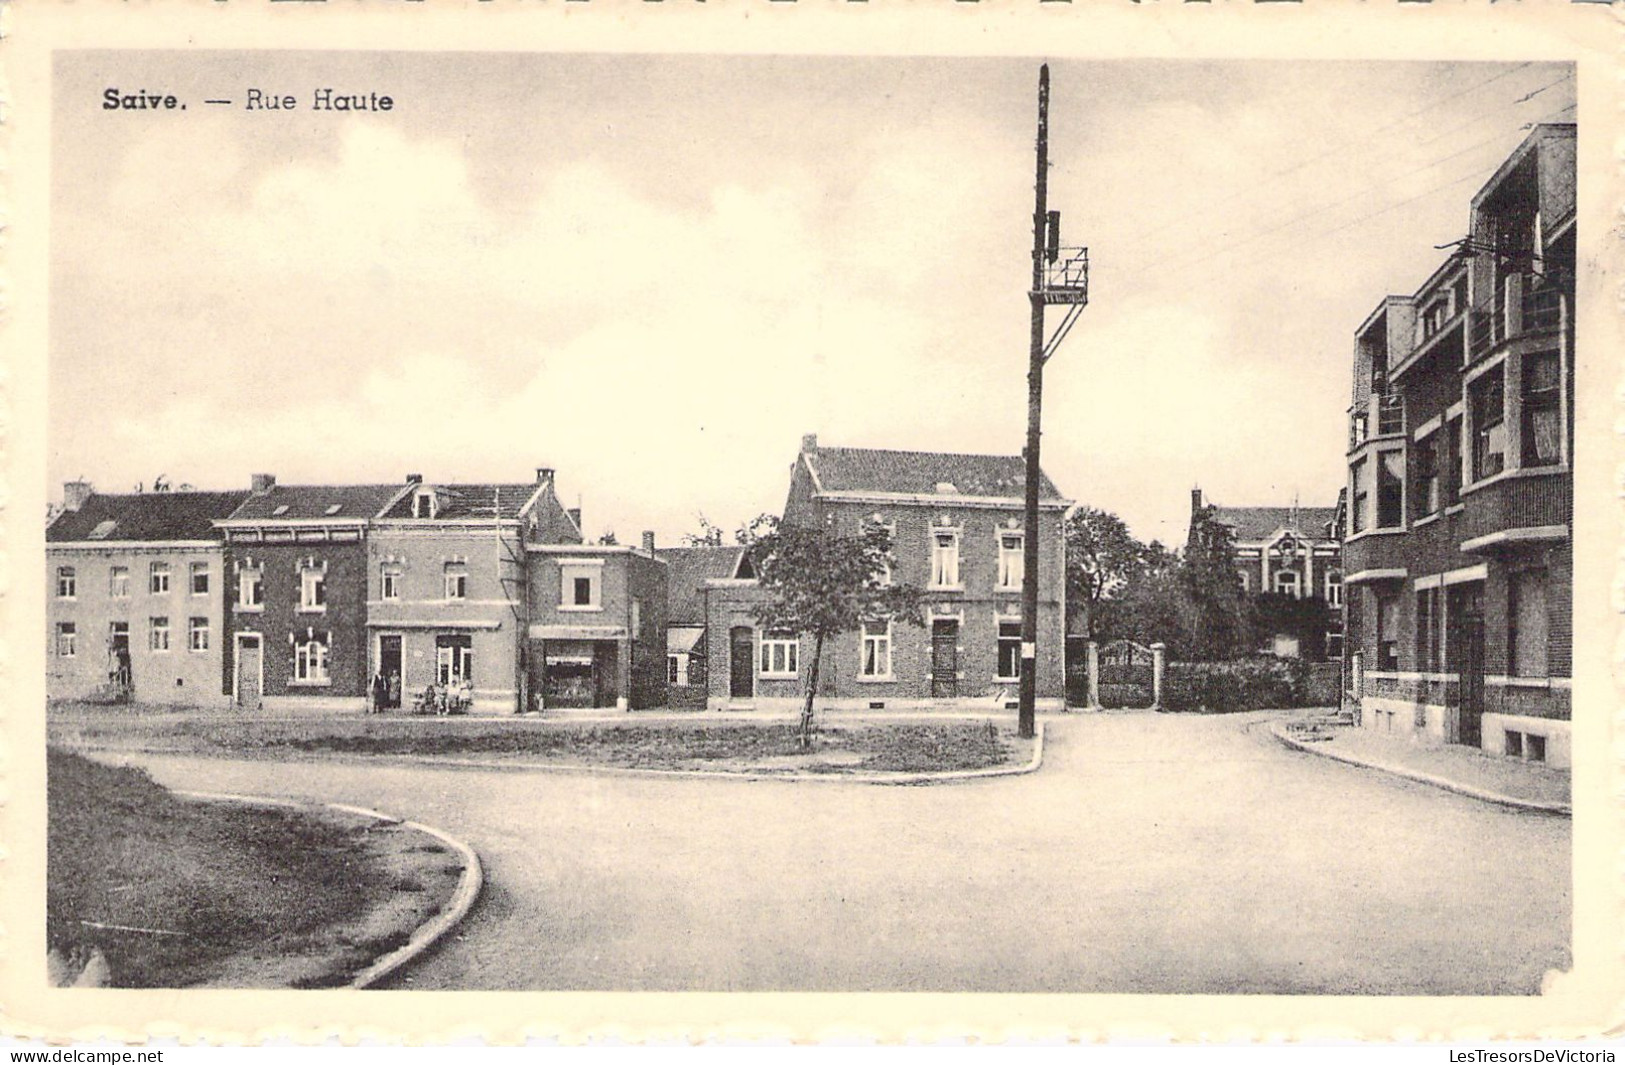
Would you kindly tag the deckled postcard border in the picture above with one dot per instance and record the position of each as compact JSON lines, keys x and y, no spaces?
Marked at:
{"x":1585,"y":1002}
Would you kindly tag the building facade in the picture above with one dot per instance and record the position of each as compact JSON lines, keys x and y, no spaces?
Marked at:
{"x":1460,"y":494}
{"x":689,"y":570}
{"x":957,"y":533}
{"x":297,"y":566}
{"x":1292,"y":551}
{"x":597,"y":631}
{"x":134,"y":597}
{"x":446,"y":588}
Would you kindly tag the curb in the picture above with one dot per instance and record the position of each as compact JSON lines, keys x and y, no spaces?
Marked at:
{"x":948,"y":776}
{"x":427,"y":934}
{"x":1556,"y":809}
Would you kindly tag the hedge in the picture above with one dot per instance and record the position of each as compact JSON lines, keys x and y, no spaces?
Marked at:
{"x":1261,"y":683}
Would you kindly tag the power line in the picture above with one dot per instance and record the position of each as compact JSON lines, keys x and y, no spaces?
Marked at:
{"x":1346,"y":146}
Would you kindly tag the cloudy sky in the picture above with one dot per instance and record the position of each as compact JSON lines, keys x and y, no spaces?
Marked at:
{"x":656,"y":273}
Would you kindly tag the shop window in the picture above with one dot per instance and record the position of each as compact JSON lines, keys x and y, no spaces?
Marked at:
{"x":454,"y":660}
{"x":1542,"y":429}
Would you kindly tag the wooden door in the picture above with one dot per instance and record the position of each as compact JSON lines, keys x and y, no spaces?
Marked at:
{"x":1466,"y":606}
{"x":944,"y":658}
{"x":741,"y":663}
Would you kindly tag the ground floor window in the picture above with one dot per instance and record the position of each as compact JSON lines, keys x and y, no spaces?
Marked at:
{"x":779,"y":654}
{"x":1009,"y":650}
{"x":1526,"y":623}
{"x":454,"y":660}
{"x":310,"y":661}
{"x":158,"y":634}
{"x":197,"y":634}
{"x":876,"y":649}
{"x":676,"y":673}
{"x":67,"y":639}
{"x":1388,"y":632}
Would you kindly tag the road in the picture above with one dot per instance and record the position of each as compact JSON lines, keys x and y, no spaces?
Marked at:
{"x":1153,"y":853}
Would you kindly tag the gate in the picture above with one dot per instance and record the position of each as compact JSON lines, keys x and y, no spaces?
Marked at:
{"x":1127,"y":675}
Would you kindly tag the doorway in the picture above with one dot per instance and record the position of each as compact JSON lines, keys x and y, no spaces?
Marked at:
{"x":1466,"y":633}
{"x":249,"y":671}
{"x":944,"y":658}
{"x":389,"y":664}
{"x":741,"y":662}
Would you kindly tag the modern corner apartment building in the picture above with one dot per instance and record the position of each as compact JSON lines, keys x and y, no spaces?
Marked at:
{"x":1458,"y":554}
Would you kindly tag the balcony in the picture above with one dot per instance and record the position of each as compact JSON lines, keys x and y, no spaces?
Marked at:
{"x":1390,"y":415}
{"x":1524,"y":303}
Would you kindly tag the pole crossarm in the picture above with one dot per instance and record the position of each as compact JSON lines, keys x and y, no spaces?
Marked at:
{"x":1072,"y":314}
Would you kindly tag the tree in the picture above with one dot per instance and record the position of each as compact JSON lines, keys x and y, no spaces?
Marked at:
{"x":712,"y":535}
{"x":1305,"y":620}
{"x":1103,"y":560}
{"x":1216,"y":620}
{"x":821,"y":584}
{"x":708,"y":536}
{"x":608,"y":539}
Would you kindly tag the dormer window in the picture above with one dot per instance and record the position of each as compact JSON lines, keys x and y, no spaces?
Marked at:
{"x":281,"y":509}
{"x":334,"y":509}
{"x":103,"y":529}
{"x":423,"y":504}
{"x":947,"y":488}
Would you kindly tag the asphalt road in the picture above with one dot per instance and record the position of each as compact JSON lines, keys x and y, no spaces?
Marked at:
{"x":1151,"y":854}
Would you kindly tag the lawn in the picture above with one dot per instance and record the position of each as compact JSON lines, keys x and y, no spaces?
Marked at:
{"x":174,"y":892}
{"x":767,"y":746}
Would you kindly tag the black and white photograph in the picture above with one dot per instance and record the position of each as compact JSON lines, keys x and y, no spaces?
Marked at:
{"x":543,"y":520}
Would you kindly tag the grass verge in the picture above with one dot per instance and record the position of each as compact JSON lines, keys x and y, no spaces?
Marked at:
{"x":173,"y":892}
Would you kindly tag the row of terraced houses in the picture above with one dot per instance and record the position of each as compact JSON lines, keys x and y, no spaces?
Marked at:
{"x":1458,"y":554}
{"x":313,"y":596}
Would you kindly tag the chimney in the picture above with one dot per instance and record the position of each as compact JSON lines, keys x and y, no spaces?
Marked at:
{"x":414,"y":478}
{"x":575,"y":515}
{"x":261,"y":483}
{"x":544,"y":475}
{"x":1196,"y":501}
{"x":76,"y":494}
{"x":648,"y":541}
{"x":809,"y":442}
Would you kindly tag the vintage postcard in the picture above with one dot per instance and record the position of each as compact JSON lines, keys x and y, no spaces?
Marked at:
{"x":751,"y":519}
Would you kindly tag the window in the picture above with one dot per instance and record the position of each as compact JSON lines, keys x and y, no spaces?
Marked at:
{"x":877,"y":647}
{"x":1334,"y":588}
{"x":1526,"y":623}
{"x":1542,"y":432}
{"x":1286,"y":582}
{"x":67,"y":639}
{"x":312,"y":589}
{"x":67,"y":582}
{"x":1388,"y":632}
{"x":310,"y":661}
{"x":390,"y":582}
{"x":1009,"y":650}
{"x":423,"y":505}
{"x":1390,"y":414}
{"x":1426,"y":645}
{"x":158,"y":635}
{"x":779,"y":654}
{"x":158,"y":578}
{"x":250,"y":588}
{"x":454,"y":659}
{"x":637,"y":619}
{"x":675,"y":671}
{"x":200,"y":578}
{"x":1391,"y":490}
{"x":456,"y":580}
{"x":1427,"y":476}
{"x":197,"y":634}
{"x":1451,"y":453}
{"x":118,"y":582}
{"x":1359,"y":493}
{"x":945,"y":559}
{"x":1011,"y":561}
{"x":581,"y":587}
{"x":1489,"y":424}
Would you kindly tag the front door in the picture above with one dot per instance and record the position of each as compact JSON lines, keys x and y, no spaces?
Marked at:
{"x":944,"y":658}
{"x":1466,"y":608}
{"x":248,"y":671}
{"x":389,"y":664}
{"x":741,"y":663}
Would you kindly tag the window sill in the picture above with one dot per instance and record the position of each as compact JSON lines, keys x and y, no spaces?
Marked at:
{"x":311,"y":610}
{"x":1003,"y":590}
{"x":1427,"y":519}
{"x":310,"y":683}
{"x":239,"y":608}
{"x":886,"y":679}
{"x":1375,"y":532}
{"x":572,"y":608}
{"x":945,"y":588}
{"x":1455,"y":508}
{"x":775,"y":676}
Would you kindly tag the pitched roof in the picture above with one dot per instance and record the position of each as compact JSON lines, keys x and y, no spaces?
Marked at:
{"x":687,"y":570}
{"x":471,"y":501}
{"x":291,"y":502}
{"x":147,"y":516}
{"x":850,"y":469}
{"x":1252,"y":524}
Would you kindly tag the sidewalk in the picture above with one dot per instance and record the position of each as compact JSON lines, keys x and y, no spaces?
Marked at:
{"x":1464,"y":770}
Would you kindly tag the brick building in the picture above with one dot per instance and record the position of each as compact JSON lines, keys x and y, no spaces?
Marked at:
{"x":446,"y":587}
{"x":689,"y":571}
{"x":957,"y":533}
{"x":133,"y":596}
{"x":297,"y":571}
{"x":1460,"y":497}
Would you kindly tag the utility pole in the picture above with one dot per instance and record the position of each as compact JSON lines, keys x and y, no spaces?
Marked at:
{"x":1059,"y":276}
